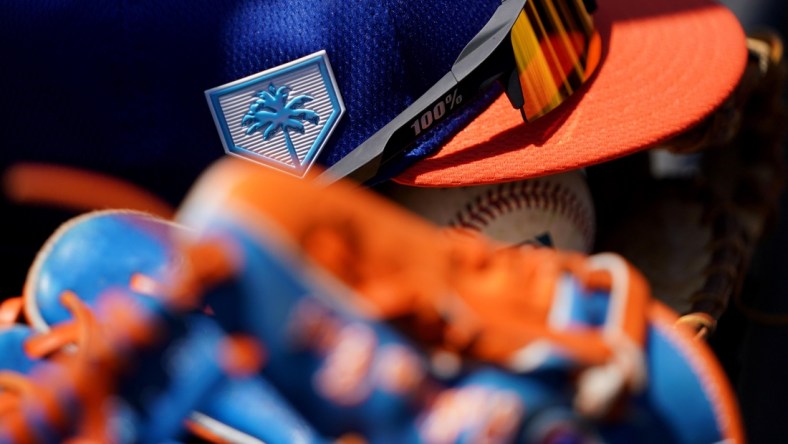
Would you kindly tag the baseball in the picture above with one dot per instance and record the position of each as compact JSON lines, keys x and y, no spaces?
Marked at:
{"x":555,"y":211}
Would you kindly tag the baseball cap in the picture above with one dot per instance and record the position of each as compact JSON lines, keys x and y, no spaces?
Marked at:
{"x":118,"y":87}
{"x":666,"y":65}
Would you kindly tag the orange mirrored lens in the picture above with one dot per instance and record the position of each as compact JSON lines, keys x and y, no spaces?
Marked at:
{"x":556,"y":50}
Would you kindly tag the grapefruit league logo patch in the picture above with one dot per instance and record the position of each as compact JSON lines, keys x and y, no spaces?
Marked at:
{"x":281,"y":117}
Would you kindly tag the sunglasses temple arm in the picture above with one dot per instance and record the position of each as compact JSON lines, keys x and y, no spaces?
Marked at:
{"x":444,"y":99}
{"x":487,"y":58}
{"x":489,"y":39}
{"x":363,"y":163}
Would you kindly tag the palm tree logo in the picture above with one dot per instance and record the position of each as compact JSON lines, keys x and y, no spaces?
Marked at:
{"x":273,"y":112}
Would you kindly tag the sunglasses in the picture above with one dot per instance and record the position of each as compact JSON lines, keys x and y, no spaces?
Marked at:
{"x":541,"y":51}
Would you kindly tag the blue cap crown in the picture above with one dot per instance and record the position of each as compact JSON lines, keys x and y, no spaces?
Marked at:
{"x":118,"y":86}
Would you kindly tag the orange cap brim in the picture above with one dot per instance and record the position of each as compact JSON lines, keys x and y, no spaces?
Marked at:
{"x":666,"y":64}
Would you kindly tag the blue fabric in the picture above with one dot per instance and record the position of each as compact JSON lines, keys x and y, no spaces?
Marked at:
{"x":112,"y":246}
{"x":118,"y":86}
{"x":12,"y":354}
{"x":181,"y":372}
{"x":265,"y":299}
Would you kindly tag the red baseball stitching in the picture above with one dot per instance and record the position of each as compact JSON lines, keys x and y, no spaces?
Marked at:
{"x":534,"y":193}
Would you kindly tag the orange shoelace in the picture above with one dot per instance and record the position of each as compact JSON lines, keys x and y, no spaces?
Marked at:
{"x":85,"y":373}
{"x":77,"y":189}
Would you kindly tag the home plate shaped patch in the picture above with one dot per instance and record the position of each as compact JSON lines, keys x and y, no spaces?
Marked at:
{"x":281,"y":117}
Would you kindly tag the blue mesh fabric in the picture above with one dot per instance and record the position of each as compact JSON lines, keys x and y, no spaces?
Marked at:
{"x":118,"y":85}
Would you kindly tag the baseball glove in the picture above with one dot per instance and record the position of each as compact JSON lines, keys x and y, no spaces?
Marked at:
{"x":704,"y":198}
